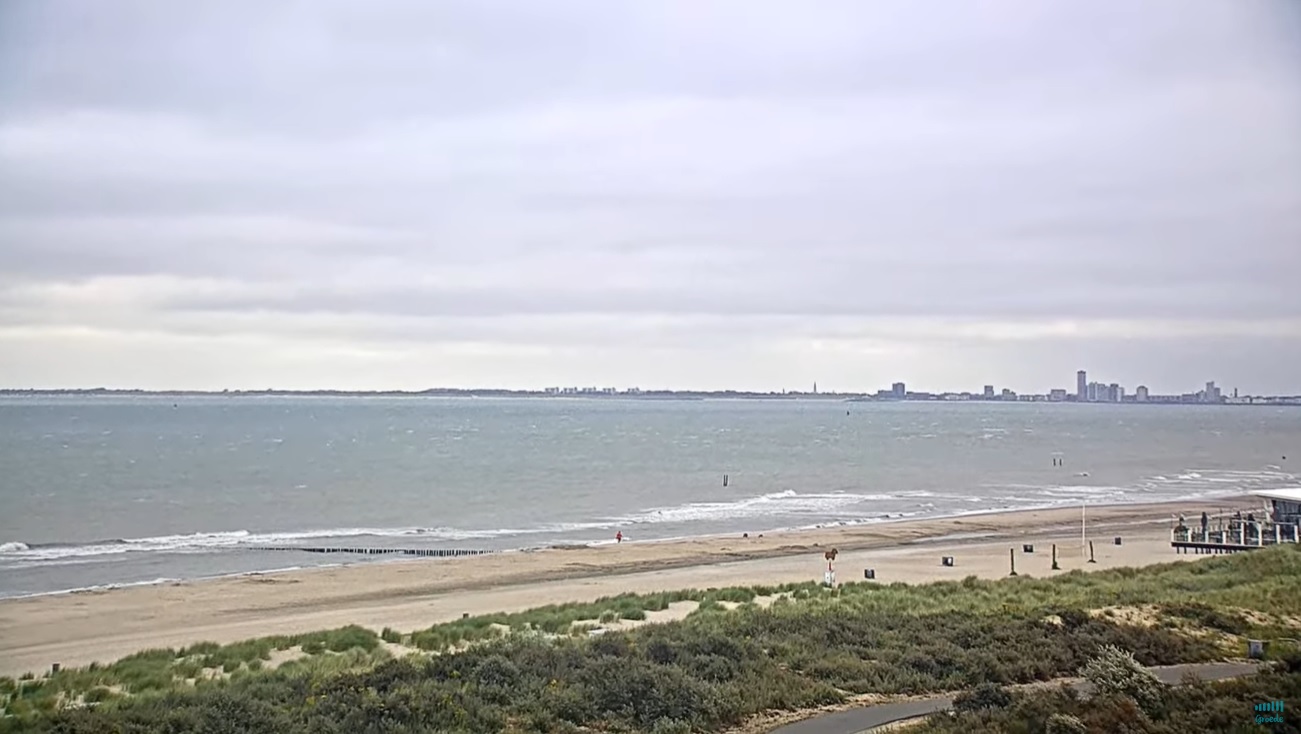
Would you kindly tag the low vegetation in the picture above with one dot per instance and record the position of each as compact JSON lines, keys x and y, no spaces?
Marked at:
{"x":1127,"y":701}
{"x":730,"y":659}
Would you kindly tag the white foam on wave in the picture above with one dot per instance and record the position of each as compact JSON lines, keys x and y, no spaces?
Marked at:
{"x":95,"y":588}
{"x":785,"y":503}
{"x":788,"y":503}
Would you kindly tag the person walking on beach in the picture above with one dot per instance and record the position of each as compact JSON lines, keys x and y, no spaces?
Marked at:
{"x":618,"y":537}
{"x":1205,"y":520}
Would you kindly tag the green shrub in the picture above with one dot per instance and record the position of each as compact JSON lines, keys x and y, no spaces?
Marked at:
{"x":982,"y":697}
{"x":1065,"y":724}
{"x":391,"y":636}
{"x":1115,"y":672}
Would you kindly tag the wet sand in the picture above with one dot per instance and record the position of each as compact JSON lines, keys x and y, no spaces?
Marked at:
{"x":80,"y":628}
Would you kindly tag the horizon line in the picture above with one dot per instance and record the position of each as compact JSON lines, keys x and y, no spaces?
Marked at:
{"x":584,"y":392}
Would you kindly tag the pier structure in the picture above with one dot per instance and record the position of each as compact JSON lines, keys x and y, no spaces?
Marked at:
{"x":1278,"y":521}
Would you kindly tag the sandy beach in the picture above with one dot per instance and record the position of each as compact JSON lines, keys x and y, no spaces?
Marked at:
{"x":77,"y":629}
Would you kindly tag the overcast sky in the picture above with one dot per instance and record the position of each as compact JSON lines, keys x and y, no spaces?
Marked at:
{"x":210,"y":194}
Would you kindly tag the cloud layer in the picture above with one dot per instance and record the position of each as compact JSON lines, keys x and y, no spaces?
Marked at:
{"x":405,"y":194}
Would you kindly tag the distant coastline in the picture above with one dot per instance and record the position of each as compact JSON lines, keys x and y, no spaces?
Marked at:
{"x":636,"y":394}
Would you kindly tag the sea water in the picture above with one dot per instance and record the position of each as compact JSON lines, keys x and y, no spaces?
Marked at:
{"x":101,"y":491}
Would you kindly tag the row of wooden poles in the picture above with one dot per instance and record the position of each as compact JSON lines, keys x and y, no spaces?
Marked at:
{"x":950,"y":561}
{"x":430,"y":552}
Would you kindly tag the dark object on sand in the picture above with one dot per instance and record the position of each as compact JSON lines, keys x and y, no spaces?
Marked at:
{"x":946,"y":561}
{"x":1027,"y":548}
{"x":869,"y":573}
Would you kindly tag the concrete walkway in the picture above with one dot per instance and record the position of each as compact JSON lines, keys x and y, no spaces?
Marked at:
{"x":855,"y":721}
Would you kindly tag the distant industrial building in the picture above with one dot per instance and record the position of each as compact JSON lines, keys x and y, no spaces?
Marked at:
{"x":989,"y":392}
{"x":898,"y":391}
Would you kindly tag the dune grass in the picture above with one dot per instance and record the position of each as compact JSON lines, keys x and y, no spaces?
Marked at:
{"x":812,"y":646}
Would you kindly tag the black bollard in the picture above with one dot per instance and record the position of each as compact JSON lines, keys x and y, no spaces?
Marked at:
{"x":1011,"y":553}
{"x":1055,"y":566}
{"x":1091,"y":552}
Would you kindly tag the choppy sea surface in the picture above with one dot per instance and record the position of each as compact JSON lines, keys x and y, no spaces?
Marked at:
{"x":115,"y":491}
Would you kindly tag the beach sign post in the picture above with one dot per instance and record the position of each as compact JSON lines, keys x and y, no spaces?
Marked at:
{"x":829,"y":578}
{"x":1055,"y":566}
{"x":1084,"y":538}
{"x":1011,"y":553}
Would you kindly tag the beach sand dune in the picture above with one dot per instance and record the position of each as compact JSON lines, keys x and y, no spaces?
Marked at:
{"x":77,"y":629}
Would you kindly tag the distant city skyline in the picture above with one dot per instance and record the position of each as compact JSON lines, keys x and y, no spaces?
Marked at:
{"x":1085,"y":391}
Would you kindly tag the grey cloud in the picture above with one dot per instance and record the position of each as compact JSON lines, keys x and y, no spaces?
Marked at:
{"x":739,"y":160}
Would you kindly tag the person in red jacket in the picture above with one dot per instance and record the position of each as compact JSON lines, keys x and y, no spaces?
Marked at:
{"x":618,"y":537}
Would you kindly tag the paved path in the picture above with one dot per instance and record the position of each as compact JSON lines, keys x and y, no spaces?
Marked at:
{"x":866,"y":718}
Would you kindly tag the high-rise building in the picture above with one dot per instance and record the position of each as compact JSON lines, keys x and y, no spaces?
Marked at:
{"x":1140,"y":394}
{"x":1081,"y":386}
{"x":1114,"y":393}
{"x":989,"y":392}
{"x":898,"y":391}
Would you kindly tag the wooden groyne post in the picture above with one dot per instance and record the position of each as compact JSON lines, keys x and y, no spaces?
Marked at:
{"x":422,"y":552}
